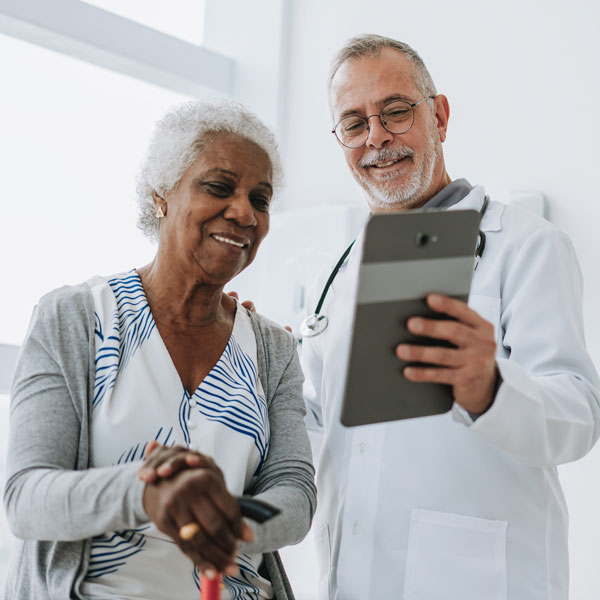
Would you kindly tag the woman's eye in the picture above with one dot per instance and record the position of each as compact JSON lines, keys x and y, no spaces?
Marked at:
{"x":218,"y":189}
{"x":261,"y":203}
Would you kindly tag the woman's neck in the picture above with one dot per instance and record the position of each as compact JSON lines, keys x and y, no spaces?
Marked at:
{"x":178,"y":301}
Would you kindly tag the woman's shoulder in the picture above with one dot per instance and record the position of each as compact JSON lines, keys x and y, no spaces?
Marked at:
{"x":271,"y":332}
{"x":66,"y":298}
{"x":70,"y":297}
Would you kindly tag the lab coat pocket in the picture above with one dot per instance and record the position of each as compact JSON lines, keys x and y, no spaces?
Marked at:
{"x":323,"y":555}
{"x":454,"y":556}
{"x":488,"y":307}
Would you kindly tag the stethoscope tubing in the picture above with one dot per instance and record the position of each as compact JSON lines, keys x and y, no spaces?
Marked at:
{"x":316,"y":323}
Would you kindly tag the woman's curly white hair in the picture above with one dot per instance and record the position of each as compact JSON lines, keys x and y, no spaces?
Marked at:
{"x":178,"y":139}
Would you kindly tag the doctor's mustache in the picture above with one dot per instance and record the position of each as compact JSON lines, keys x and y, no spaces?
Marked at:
{"x":385,"y":154}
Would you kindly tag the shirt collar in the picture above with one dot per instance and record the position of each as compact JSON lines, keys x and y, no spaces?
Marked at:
{"x":452,"y":194}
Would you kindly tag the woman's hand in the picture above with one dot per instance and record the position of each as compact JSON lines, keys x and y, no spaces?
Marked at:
{"x":163,"y":462}
{"x":187,"y":499}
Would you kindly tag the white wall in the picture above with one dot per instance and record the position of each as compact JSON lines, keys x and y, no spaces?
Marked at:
{"x":521,"y":77}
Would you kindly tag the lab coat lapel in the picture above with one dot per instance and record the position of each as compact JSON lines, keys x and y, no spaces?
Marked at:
{"x":492,"y":219}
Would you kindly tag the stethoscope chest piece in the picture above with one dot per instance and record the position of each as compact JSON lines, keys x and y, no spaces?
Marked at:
{"x":314,"y":325}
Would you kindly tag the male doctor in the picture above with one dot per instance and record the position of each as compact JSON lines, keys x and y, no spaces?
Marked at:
{"x":465,"y":505}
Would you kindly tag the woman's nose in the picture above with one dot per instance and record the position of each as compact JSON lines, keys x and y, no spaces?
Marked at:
{"x":241,"y":211}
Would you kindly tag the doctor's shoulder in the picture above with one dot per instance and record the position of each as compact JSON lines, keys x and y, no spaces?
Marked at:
{"x":523,"y":229}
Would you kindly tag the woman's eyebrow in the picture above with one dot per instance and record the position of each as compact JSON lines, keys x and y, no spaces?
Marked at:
{"x":227,"y":172}
{"x":265,"y":184}
{"x":218,"y":170}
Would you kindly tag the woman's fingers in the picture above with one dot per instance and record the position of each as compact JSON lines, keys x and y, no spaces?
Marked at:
{"x":150,"y":447}
{"x":195,"y":509}
{"x":165,"y":462}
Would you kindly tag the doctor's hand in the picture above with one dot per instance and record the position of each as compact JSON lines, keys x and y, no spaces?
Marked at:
{"x":246,"y":303}
{"x":250,"y":306}
{"x":470,"y":368}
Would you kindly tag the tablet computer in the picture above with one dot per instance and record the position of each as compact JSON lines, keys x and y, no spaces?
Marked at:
{"x":405,"y":256}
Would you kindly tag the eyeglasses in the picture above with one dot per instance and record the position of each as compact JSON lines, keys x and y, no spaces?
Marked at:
{"x":396,"y":117}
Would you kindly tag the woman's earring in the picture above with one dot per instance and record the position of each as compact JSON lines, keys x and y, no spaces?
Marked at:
{"x":159,"y":214}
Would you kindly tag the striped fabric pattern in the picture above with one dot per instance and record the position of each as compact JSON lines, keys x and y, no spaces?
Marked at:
{"x":241,"y":587}
{"x":111,"y":551}
{"x":131,"y":325}
{"x":228,"y":395}
{"x":139,"y":396}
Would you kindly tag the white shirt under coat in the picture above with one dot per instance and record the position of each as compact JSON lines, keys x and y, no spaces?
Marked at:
{"x":443,"y":507}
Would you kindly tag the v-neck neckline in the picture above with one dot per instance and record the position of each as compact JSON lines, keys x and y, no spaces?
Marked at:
{"x":165,"y":350}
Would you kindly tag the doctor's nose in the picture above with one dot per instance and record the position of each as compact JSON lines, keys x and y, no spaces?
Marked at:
{"x":378,"y":136}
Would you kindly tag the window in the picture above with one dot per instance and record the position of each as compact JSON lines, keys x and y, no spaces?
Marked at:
{"x":73,"y":135}
{"x":183,"y":19}
{"x":5,"y":535}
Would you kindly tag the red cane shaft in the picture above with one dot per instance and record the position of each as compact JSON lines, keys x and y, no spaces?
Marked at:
{"x":210,"y":588}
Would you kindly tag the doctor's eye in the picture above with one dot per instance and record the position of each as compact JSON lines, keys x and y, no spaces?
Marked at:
{"x":352,"y":126}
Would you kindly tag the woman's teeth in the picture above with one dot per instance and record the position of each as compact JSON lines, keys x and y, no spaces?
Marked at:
{"x":220,"y":238}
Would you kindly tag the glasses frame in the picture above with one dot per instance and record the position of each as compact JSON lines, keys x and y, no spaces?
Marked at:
{"x":412,"y":106}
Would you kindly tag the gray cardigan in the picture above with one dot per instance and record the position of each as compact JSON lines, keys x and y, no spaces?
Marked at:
{"x":52,"y":494}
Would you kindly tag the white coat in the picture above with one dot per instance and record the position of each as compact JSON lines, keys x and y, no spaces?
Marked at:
{"x":444,"y":508}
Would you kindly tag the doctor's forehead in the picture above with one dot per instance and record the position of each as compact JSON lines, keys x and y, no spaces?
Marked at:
{"x":367,"y":81}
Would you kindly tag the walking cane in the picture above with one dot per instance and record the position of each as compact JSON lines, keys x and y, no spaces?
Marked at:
{"x":251,"y":508}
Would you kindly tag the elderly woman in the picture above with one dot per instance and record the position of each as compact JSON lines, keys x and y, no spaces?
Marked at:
{"x":160,"y":354}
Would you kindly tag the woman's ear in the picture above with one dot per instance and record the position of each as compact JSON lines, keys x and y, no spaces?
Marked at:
{"x":160,"y":204}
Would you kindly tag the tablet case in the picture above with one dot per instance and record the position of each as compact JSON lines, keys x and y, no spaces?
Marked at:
{"x":406,"y":255}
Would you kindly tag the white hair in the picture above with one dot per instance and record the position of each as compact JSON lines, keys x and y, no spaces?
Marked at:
{"x":178,"y":139}
{"x":371,"y":45}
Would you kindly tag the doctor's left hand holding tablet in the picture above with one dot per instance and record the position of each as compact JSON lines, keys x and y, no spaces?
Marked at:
{"x":186,"y":497}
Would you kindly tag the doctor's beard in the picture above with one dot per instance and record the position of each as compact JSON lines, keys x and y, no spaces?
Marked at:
{"x":396,"y":190}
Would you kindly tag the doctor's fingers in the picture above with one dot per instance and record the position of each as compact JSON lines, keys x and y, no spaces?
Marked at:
{"x":458,"y":333}
{"x":453,"y":307}
{"x":434,"y":355}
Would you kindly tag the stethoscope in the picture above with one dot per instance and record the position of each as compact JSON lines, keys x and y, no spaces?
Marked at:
{"x":317,"y":323}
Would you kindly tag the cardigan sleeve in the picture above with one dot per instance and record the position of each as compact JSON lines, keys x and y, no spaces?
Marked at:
{"x":287,"y":477}
{"x":47,"y":496}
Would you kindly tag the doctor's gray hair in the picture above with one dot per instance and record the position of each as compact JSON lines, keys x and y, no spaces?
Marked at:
{"x":178,"y":139}
{"x":371,"y":45}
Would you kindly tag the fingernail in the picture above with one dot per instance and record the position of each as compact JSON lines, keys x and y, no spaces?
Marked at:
{"x":402,"y":350}
{"x":232,"y":570}
{"x":210,"y":573}
{"x":435,"y":299}
{"x":415,"y":324}
{"x":408,"y":372}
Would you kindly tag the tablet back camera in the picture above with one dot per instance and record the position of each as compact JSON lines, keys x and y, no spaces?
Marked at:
{"x":423,"y":239}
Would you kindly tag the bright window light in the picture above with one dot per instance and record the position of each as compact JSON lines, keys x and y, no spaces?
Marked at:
{"x":5,"y":535}
{"x":73,"y":136}
{"x":183,"y":19}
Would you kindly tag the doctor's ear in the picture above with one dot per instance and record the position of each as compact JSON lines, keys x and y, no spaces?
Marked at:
{"x":441,"y":113}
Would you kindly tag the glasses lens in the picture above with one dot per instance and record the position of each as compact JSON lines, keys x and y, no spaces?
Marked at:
{"x":352,"y":131}
{"x":397,"y":116}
